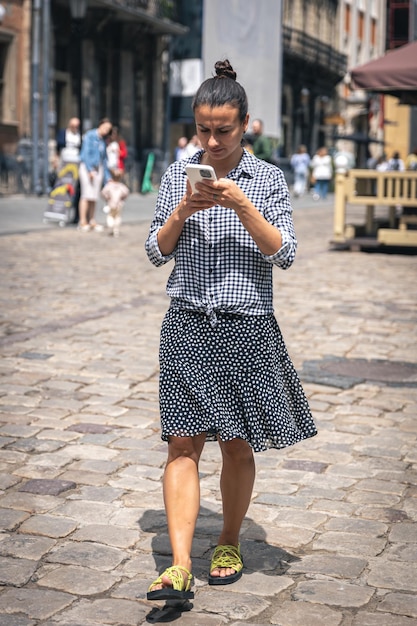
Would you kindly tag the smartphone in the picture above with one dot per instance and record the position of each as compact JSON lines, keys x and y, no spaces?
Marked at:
{"x":196,"y":173}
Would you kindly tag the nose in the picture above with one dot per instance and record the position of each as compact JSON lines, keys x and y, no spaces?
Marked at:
{"x":212,"y":141}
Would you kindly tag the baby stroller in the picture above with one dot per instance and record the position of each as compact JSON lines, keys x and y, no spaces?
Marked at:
{"x":61,"y":198}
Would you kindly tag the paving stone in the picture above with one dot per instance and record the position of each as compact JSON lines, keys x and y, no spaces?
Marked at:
{"x":118,"y":537}
{"x":10,"y":520}
{"x":89,"y":428}
{"x":306,"y":466}
{"x":361,"y":526}
{"x":86,"y":512}
{"x":391,"y":575}
{"x":333,"y":593}
{"x":337,"y":566}
{"x":93,"y":555}
{"x":103,"y":611}
{"x":47,"y":487}
{"x":98,"y":494}
{"x":399,"y":604}
{"x":48,"y":525}
{"x":22,"y":546}
{"x":84,"y":478}
{"x":16,"y":572}
{"x":29,"y":502}
{"x":80,"y":581}
{"x":15,"y":620}
{"x":35,"y":445}
{"x":35,"y":603}
{"x":230,"y":604}
{"x":303,"y":613}
{"x":404,"y":533}
{"x":288,"y":537}
{"x":349,"y":543}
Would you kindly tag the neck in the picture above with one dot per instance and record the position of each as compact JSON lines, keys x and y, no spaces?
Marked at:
{"x":225,"y":166}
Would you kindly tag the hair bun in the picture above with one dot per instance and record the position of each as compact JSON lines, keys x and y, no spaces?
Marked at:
{"x":223,"y":68}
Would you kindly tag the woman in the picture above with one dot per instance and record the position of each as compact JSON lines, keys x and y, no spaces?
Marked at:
{"x":300,"y":162}
{"x":93,"y":171}
{"x":322,"y":172}
{"x":224,"y":370}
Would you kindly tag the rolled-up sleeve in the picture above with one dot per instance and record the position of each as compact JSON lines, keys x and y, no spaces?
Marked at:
{"x":163,"y":210}
{"x":278,"y":211}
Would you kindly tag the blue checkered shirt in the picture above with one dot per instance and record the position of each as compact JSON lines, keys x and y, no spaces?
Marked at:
{"x":218,"y":266}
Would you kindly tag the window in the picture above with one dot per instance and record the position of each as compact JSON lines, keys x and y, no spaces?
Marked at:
{"x":8,"y":79}
{"x":361,"y":24}
{"x":373,"y":32}
{"x":347,"y":18}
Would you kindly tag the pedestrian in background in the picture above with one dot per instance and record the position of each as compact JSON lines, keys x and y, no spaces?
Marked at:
{"x":93,"y":171}
{"x":181,"y":149}
{"x":115,"y":193}
{"x":411,"y":161}
{"x":261,"y":145}
{"x":395,"y":163}
{"x":69,"y":142}
{"x":68,"y":152}
{"x":193,"y":146}
{"x":113,"y":150}
{"x":123,"y":151}
{"x":300,"y":162}
{"x":321,"y":173}
{"x":225,"y":374}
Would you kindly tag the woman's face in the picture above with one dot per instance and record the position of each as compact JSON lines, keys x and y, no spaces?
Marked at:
{"x":104,"y":129}
{"x":220,"y":130}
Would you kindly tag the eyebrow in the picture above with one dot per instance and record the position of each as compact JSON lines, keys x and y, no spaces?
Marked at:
{"x":225,"y":127}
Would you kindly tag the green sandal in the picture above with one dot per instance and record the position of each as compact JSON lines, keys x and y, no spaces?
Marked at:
{"x":180,"y":589}
{"x":226,"y":556}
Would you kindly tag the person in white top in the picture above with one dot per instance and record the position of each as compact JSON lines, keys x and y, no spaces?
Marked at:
{"x":193,"y":146}
{"x":69,"y":142}
{"x":396,"y":163}
{"x":113,"y":151}
{"x":322,"y":172}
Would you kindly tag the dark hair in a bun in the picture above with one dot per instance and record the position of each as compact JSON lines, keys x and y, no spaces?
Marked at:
{"x":222,"y":89}
{"x":223,"y":68}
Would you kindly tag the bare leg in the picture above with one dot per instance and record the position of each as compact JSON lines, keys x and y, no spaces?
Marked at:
{"x":236,"y":483}
{"x":83,"y":209}
{"x":182,"y":497}
{"x":90,"y":212}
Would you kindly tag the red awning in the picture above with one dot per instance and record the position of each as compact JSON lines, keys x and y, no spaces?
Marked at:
{"x":395,"y":73}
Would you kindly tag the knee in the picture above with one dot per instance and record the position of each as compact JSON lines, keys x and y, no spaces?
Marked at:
{"x":237,"y":451}
{"x":184,"y":448}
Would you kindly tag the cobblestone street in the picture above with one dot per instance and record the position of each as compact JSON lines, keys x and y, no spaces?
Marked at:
{"x":330,"y":538}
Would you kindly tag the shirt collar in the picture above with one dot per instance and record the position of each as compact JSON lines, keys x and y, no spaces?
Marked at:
{"x":246,"y":168}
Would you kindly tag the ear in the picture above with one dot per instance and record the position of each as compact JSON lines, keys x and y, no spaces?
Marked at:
{"x":245,"y":123}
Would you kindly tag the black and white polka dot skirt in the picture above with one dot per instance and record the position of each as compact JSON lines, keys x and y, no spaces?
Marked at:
{"x":233,"y":380}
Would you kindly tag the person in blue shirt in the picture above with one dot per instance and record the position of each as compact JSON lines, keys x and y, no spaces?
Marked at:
{"x":93,"y":173}
{"x":225,"y":373}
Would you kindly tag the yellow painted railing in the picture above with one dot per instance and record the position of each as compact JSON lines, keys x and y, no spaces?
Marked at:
{"x":395,"y":190}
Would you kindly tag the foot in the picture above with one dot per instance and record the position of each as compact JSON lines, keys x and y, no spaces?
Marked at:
{"x":174,"y":583}
{"x":226,"y":565}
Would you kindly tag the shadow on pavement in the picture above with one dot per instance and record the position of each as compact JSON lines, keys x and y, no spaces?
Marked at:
{"x":259,"y":556}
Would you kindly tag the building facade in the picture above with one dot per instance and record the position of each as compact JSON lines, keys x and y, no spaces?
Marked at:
{"x":112,"y":60}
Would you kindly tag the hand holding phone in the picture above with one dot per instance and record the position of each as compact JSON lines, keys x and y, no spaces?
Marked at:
{"x":197,"y":173}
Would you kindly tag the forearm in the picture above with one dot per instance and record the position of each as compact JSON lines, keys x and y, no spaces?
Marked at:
{"x":266,"y":236}
{"x":171,"y":231}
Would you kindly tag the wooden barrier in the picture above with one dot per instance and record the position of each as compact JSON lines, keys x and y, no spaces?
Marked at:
{"x":395,"y":190}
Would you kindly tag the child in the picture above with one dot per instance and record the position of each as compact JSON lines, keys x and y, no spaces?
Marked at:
{"x":115,"y":193}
